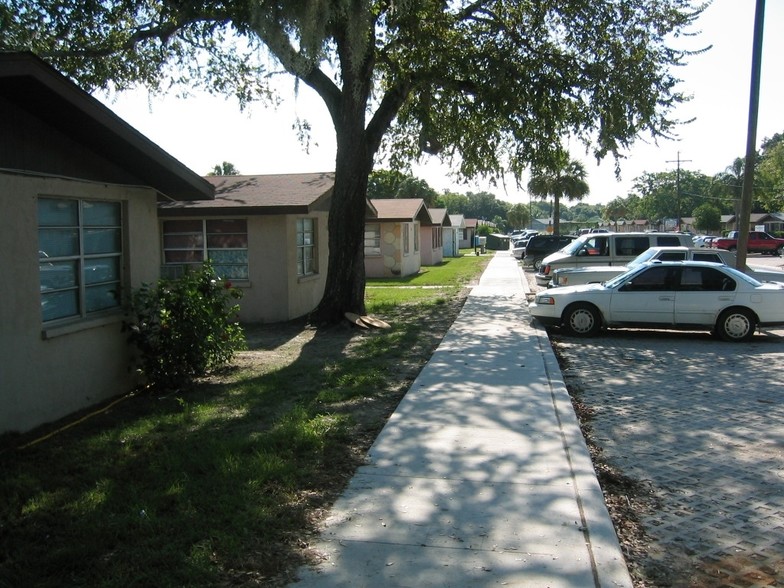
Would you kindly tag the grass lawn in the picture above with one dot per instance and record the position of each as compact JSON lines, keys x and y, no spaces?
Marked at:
{"x":225,"y":483}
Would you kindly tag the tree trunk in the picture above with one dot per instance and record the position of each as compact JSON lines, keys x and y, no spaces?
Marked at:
{"x":344,"y":290}
{"x":556,"y":214}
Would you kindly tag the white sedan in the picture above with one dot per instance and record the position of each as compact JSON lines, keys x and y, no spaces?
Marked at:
{"x":668,"y":295}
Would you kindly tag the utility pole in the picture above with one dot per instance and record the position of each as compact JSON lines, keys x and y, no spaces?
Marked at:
{"x":751,"y":138}
{"x":678,"y":186}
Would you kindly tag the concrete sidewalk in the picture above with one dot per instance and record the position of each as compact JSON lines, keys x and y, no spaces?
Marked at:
{"x":481,"y":477}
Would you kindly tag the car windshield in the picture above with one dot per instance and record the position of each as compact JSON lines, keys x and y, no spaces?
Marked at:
{"x":573,"y":247}
{"x":642,"y":258}
{"x":621,"y":278}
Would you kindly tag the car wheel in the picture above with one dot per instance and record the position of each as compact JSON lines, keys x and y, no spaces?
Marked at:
{"x":731,"y":248}
{"x":582,"y":320}
{"x":736,"y":324}
{"x":537,"y":263}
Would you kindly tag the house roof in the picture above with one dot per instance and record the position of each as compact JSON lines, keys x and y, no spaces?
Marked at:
{"x":259,"y":195}
{"x":32,"y":85}
{"x":440,"y":217}
{"x":470,"y":223}
{"x":457,"y":220}
{"x":402,"y":210}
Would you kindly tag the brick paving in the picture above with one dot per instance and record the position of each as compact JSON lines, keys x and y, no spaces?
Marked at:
{"x":701,"y":422}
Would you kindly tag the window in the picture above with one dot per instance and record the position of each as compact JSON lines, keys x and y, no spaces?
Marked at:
{"x":632,"y":246}
{"x":438,"y":237}
{"x":668,"y":241}
{"x":595,"y":246}
{"x":372,"y":240}
{"x":222,"y":241}
{"x":80,"y":257}
{"x":306,"y":247}
{"x":406,"y":234}
{"x":654,"y":279}
{"x":416,"y":236}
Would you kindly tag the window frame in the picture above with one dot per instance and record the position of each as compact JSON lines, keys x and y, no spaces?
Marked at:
{"x":307,"y":253}
{"x":203,"y":243}
{"x":372,"y":246}
{"x":91,"y":249}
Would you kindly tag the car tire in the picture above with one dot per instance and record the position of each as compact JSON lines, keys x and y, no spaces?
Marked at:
{"x":537,"y":263}
{"x":731,"y":248}
{"x":736,"y":325}
{"x":582,"y":320}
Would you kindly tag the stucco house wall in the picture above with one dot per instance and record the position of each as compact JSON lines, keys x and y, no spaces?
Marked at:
{"x":273,"y":291}
{"x":50,"y":371}
{"x":61,"y":342}
{"x":277,"y":287}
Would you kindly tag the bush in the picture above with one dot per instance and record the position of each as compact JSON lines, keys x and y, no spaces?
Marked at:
{"x":184,"y":328}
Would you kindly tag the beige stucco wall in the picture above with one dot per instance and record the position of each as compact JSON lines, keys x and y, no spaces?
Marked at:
{"x":49,"y":373}
{"x":274,"y":292}
{"x":431,"y":255}
{"x":393,"y":262}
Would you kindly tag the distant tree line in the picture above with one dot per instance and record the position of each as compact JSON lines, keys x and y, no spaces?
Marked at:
{"x":654,"y":196}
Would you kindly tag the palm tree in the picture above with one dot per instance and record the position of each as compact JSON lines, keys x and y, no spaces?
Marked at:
{"x":566,"y":179}
{"x":731,"y":179}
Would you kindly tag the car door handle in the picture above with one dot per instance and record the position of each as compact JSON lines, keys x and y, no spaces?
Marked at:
{"x":725,"y":297}
{"x":665,"y":297}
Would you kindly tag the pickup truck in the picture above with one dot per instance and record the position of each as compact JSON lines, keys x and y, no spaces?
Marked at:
{"x":573,"y":276}
{"x":759,"y":242}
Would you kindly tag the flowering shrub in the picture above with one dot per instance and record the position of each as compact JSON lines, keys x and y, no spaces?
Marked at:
{"x":185,"y":328}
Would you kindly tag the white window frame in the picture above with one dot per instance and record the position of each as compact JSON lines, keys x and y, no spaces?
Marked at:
{"x":307,"y":252}
{"x":373,"y":240}
{"x":405,"y":233}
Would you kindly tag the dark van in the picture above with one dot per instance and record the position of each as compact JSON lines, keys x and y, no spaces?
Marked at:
{"x":540,"y":246}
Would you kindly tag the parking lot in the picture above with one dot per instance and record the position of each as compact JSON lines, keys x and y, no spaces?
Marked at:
{"x":700,"y":423}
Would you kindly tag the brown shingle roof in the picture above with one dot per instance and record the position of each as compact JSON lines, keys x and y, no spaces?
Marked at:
{"x":261,"y":194}
{"x":402,"y":210}
{"x":440,"y":217}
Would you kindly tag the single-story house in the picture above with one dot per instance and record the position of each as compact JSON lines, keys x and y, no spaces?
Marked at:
{"x":469,"y":230}
{"x":267,"y":234}
{"x":773,"y":222}
{"x":433,"y":237}
{"x":79,"y":189}
{"x":393,"y":237}
{"x":452,"y":235}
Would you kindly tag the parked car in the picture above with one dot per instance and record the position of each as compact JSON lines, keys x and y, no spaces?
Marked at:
{"x":758,"y":242}
{"x":699,"y":240}
{"x":573,"y":276}
{"x":519,"y":245}
{"x":540,"y":246}
{"x":607,"y":249}
{"x":667,"y":295}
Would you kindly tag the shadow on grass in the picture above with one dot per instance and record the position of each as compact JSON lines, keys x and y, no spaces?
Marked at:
{"x":214,"y":485}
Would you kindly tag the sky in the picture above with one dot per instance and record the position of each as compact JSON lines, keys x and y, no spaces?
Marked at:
{"x":203,"y":131}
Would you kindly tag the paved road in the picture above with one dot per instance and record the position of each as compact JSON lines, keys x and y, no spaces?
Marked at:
{"x":702,"y":423}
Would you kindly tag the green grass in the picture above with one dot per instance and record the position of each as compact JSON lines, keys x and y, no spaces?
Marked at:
{"x":215,"y":485}
{"x":432,"y":285}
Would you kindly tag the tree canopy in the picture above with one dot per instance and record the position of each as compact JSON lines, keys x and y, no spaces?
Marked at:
{"x":490,"y":86}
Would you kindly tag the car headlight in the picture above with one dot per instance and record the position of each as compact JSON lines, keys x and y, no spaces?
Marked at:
{"x":545,"y":300}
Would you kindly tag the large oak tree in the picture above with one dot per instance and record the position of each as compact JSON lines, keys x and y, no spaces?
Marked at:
{"x":490,"y":86}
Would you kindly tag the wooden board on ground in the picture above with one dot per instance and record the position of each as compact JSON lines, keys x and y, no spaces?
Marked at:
{"x":375,"y":322}
{"x":356,"y":319}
